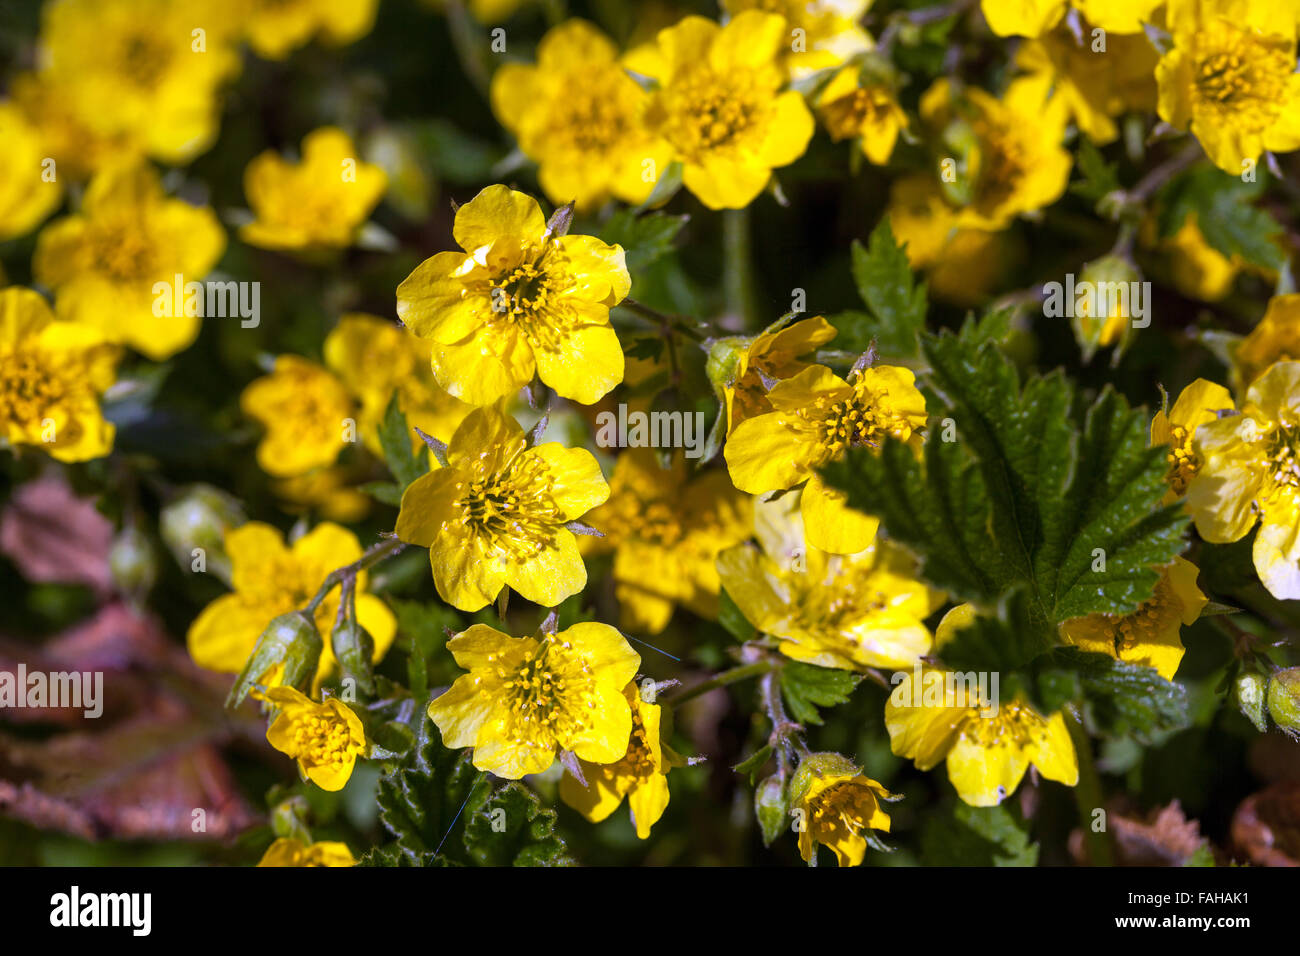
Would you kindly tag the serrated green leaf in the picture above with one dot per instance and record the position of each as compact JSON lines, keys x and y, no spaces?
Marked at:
{"x":1121,"y":698}
{"x":510,"y":827}
{"x":976,"y":836}
{"x":896,"y":304}
{"x":1099,"y":177}
{"x":755,"y":762}
{"x":395,"y":440}
{"x":805,"y":687}
{"x":1225,"y":214}
{"x":646,"y":238}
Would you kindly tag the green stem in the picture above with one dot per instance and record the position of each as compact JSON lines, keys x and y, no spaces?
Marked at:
{"x":743,"y":672}
{"x":738,"y":266}
{"x":373,"y":556}
{"x":1088,"y":793}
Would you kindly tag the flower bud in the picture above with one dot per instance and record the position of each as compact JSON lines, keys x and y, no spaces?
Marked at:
{"x":771,"y":808}
{"x":133,"y":562}
{"x":198,"y":519}
{"x":724,"y":355}
{"x":1248,"y":691}
{"x":1105,"y":316}
{"x":354,"y":649}
{"x":1284,"y":700}
{"x":291,"y":644}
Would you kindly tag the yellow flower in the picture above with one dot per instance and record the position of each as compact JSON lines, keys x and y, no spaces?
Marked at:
{"x":1015,"y":160}
{"x":848,"y":611}
{"x":320,"y":202}
{"x":288,"y":851}
{"x":773,"y":354}
{"x":829,"y":32}
{"x":324,"y":738}
{"x":1032,"y":18}
{"x":641,"y":775}
{"x":817,"y":416}
{"x":270,"y":579}
{"x":104,"y":262}
{"x":837,"y":807}
{"x":517,"y":301}
{"x":275,"y":28}
{"x":328,"y":492}
{"x":1230,"y":78}
{"x":1195,"y":268}
{"x":26,"y":196}
{"x":373,"y":358}
{"x":719,"y":104}
{"x":1096,"y":86}
{"x":1199,"y":403}
{"x":939,"y":718}
{"x":77,"y":149}
{"x":666,"y":532}
{"x":527,"y":698}
{"x":1275,"y":339}
{"x":51,"y":376}
{"x":1149,"y":635}
{"x":307,"y":414}
{"x":495,"y":516}
{"x":870,"y":114}
{"x":484,"y":11}
{"x":578,"y":113}
{"x":1249,"y":472}
{"x":137,"y":71}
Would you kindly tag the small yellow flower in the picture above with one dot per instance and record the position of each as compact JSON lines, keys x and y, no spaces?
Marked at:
{"x":307,"y":414}
{"x":838,"y":807}
{"x":1230,"y":78}
{"x":829,"y":35}
{"x":77,"y":149}
{"x":1151,"y":634}
{"x":325,"y":738}
{"x":817,"y":416}
{"x":942,"y":719}
{"x":1249,"y":473}
{"x":517,"y":302}
{"x":1031,"y":18}
{"x":495,"y":516}
{"x":578,"y":113}
{"x":104,"y":262}
{"x":135,"y":71}
{"x":270,"y":579}
{"x":870,"y":114}
{"x":288,"y":851}
{"x":1200,"y":402}
{"x":719,"y":104}
{"x":666,"y":532}
{"x":525,"y":699}
{"x":51,"y":376}
{"x":373,"y":357}
{"x":1016,"y":162}
{"x":1275,"y":339}
{"x":641,"y":775}
{"x":275,"y":28}
{"x":26,"y":196}
{"x":1096,"y":86}
{"x":320,"y":202}
{"x":773,"y":354}
{"x":848,"y":611}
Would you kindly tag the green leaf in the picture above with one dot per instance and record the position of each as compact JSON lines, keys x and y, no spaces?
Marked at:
{"x":976,"y":836}
{"x":1099,"y":176}
{"x":1225,"y":213}
{"x":454,"y":154}
{"x":733,"y":619}
{"x":993,"y":326}
{"x":806,"y":687}
{"x":896,"y":305}
{"x":1122,"y":699}
{"x":395,"y":440}
{"x":387,"y":492}
{"x":510,"y":827}
{"x":1032,"y":495}
{"x":645,"y":238}
{"x":755,"y":762}
{"x":419,"y":805}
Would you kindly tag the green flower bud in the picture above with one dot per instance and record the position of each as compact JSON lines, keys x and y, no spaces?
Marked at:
{"x":354,"y":649}
{"x":1284,"y":700}
{"x":1248,"y":690}
{"x":771,"y":808}
{"x":289,"y":819}
{"x":290,"y":642}
{"x":1106,"y":316}
{"x":724,"y":355}
{"x":133,"y":562}
{"x":197,"y":520}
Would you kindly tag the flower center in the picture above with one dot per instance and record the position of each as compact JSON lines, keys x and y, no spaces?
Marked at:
{"x":1282,"y":451}
{"x":532,"y":297}
{"x":1242,"y":73}
{"x":551,"y":694}
{"x":865,"y":418}
{"x":710,"y":111}
{"x":514,"y":508}
{"x":123,"y":251}
{"x":597,"y":113}
{"x":322,"y":740}
{"x":27,"y":387}
{"x":1014,"y":726}
{"x":837,"y":807}
{"x":144,"y":59}
{"x":847,"y":115}
{"x":1183,"y":462}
